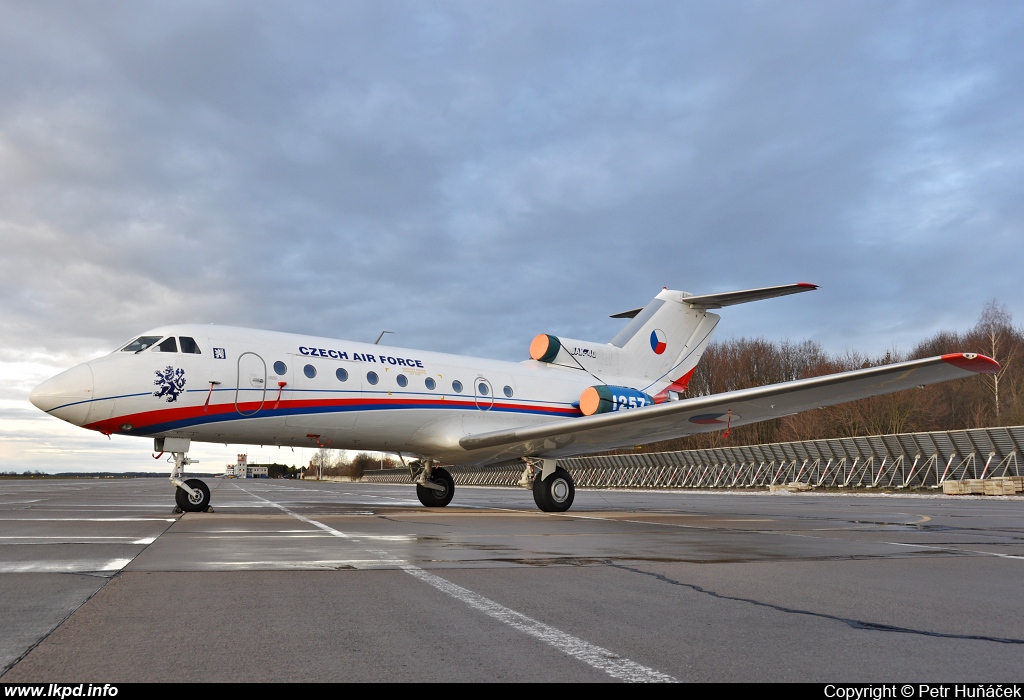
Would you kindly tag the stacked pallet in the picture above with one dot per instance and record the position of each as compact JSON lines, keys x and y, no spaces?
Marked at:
{"x":954,"y":487}
{"x":996,"y":486}
{"x":999,"y":487}
{"x":791,"y":487}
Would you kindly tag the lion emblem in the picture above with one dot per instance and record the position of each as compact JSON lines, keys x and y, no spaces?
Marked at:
{"x":171,"y":383}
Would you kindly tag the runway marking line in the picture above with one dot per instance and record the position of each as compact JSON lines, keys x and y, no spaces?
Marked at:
{"x":594,"y":656}
{"x":316,"y":564}
{"x":87,"y":520}
{"x":54,"y":566}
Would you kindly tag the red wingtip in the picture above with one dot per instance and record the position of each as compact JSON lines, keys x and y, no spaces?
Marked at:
{"x":972,"y":362}
{"x":811,"y":285}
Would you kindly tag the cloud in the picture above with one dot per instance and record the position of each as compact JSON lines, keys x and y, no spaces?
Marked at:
{"x":469,"y":175}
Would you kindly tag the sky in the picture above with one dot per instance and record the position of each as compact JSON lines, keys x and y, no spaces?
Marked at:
{"x":469,"y":174}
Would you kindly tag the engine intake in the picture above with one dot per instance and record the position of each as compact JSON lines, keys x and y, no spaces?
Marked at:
{"x":544,"y":347}
{"x":604,"y":399}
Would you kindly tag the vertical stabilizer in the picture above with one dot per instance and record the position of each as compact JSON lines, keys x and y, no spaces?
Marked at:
{"x":663,"y":343}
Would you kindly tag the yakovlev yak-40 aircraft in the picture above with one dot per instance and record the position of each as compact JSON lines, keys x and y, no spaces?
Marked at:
{"x":184,"y":383}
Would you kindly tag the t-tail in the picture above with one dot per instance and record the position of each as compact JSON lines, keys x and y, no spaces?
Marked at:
{"x":658,"y":350}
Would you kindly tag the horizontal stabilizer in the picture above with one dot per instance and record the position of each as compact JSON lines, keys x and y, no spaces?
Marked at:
{"x":717,"y":301}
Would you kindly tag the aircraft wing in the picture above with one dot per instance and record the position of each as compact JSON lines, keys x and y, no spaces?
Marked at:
{"x":607,"y":431}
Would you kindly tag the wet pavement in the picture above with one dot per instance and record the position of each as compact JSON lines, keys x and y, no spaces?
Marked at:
{"x":310,"y":581}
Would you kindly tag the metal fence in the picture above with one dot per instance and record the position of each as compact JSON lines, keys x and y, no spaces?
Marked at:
{"x":907,"y":460}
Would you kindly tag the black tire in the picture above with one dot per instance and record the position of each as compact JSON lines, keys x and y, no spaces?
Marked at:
{"x":437,"y":499}
{"x":189,"y":504}
{"x":556,"y":493}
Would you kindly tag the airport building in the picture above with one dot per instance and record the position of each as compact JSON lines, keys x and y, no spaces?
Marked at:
{"x":241,"y":469}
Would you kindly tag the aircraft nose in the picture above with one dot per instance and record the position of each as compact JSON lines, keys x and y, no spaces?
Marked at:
{"x":67,"y":396}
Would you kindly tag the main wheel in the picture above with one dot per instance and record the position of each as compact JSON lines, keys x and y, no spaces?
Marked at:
{"x":554,"y":494}
{"x":193,"y":504}
{"x":437,"y":499}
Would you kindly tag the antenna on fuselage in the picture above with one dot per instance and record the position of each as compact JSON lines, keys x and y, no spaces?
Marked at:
{"x":377,"y":341}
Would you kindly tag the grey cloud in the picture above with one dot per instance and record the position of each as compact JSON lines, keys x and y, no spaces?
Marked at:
{"x":469,"y":175}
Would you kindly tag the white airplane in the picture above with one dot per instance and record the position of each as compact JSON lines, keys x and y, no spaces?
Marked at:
{"x":206,"y":383}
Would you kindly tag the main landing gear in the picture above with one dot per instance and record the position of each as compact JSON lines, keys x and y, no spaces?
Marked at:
{"x":190,"y":495}
{"x":435,"y":487}
{"x":553,"y":487}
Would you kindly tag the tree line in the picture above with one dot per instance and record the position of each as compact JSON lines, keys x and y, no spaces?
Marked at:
{"x":974,"y":402}
{"x":329,"y":462}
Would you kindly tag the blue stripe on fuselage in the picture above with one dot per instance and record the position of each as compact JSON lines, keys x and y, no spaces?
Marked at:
{"x":313,"y":410}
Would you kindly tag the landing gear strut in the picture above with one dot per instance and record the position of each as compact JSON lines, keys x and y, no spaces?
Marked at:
{"x":553,"y":487}
{"x":190,"y":495}
{"x":435,"y":487}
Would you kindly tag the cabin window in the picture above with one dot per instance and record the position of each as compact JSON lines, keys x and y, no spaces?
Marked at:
{"x":280,"y":368}
{"x":188,"y":345}
{"x":309,"y":371}
{"x":457,"y":386}
{"x":169,"y":345}
{"x":140,"y":344}
{"x":482,"y":388}
{"x":508,"y":391}
{"x":372,"y":377}
{"x":402,"y":380}
{"x":431,"y":384}
{"x":341,"y":374}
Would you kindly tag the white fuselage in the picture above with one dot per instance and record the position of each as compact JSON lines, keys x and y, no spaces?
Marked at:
{"x":261,"y":387}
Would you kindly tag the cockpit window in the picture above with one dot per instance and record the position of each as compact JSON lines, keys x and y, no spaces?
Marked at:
{"x":169,"y":345}
{"x":140,"y":344}
{"x":189,"y":345}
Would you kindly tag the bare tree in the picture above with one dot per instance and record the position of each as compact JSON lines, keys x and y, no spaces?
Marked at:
{"x":323,"y":459}
{"x":995,"y":329}
{"x":980,"y":401}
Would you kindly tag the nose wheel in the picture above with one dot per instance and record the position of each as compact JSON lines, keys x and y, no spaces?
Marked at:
{"x":195,"y":502}
{"x":554,"y":494}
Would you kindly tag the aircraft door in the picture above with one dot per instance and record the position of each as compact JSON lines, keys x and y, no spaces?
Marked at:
{"x":483,"y":394}
{"x":251,"y":388}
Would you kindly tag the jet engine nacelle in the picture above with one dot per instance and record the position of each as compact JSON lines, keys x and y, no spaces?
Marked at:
{"x":605,"y":399}
{"x":570,"y":352}
{"x":544,"y":348}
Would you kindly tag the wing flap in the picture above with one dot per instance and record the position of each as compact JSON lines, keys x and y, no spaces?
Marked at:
{"x":675,"y":419}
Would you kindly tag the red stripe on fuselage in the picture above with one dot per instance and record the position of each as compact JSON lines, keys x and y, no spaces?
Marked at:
{"x":268,"y":409}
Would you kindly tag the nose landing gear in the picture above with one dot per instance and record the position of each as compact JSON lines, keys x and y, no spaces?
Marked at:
{"x":190,"y":495}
